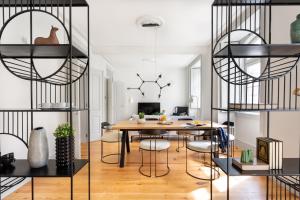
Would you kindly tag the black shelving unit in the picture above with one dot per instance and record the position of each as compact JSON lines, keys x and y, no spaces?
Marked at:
{"x":269,"y":91}
{"x":69,"y":83}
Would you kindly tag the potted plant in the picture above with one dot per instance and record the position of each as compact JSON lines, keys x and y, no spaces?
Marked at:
{"x":64,"y":143}
{"x":141,"y":119}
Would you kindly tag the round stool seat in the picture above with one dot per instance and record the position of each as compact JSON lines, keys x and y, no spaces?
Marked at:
{"x":155,"y":144}
{"x":202,"y":146}
{"x":231,"y":137}
{"x":111,"y":137}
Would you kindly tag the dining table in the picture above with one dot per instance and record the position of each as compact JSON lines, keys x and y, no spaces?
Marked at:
{"x":175,"y":125}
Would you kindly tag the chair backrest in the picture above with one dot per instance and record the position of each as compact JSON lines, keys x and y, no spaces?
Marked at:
{"x":181,"y":110}
{"x":226,"y":123}
{"x":104,"y":125}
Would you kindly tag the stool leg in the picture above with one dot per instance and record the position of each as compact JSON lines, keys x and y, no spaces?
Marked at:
{"x":142,"y":157}
{"x":101,"y":150}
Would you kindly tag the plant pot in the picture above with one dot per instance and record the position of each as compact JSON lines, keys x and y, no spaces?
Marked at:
{"x":64,"y":151}
{"x":38,"y":150}
{"x":141,"y":121}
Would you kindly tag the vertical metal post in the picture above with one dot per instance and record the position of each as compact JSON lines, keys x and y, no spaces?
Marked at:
{"x":268,"y":113}
{"x":211,"y":102}
{"x":70,"y":96}
{"x":89,"y":136}
{"x":228,"y":96}
{"x":31,"y":84}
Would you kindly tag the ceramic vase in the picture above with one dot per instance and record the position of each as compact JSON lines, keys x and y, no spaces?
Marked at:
{"x":141,"y":121}
{"x":64,"y":151}
{"x":38,"y":150}
{"x":295,"y":30}
{"x":247,"y":156}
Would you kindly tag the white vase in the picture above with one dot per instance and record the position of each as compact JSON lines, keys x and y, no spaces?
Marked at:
{"x":38,"y":150}
{"x":141,"y":121}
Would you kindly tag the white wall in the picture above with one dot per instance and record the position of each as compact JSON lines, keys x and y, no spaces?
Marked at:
{"x":175,"y":95}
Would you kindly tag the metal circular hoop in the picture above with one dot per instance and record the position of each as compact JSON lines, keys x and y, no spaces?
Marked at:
{"x":246,"y":78}
{"x":37,"y":77}
{"x":20,"y":139}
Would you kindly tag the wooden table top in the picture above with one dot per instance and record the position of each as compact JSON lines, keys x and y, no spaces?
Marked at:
{"x":132,"y":125}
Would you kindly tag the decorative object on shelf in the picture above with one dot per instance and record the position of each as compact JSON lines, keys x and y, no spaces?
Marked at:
{"x":256,"y":164}
{"x":38,"y":150}
{"x":52,"y":39}
{"x":161,"y":87}
{"x":296,"y":92}
{"x":64,"y":144}
{"x":7,"y":160}
{"x":270,"y":151}
{"x":59,"y":106}
{"x":141,"y":119}
{"x":247,"y":156}
{"x":295,"y":30}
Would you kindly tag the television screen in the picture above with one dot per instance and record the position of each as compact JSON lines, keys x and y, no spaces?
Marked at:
{"x":149,"y":108}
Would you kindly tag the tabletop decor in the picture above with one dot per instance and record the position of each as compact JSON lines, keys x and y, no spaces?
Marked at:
{"x":141,"y":119}
{"x":64,"y":144}
{"x":38,"y":150}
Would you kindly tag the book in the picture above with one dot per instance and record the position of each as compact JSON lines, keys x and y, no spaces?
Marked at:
{"x":255,"y":165}
{"x":270,"y":151}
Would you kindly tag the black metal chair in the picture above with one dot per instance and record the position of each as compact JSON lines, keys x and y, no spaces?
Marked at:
{"x":203,"y":147}
{"x":231,"y":136}
{"x":108,"y":136}
{"x":154,"y":145}
{"x":185,"y":134}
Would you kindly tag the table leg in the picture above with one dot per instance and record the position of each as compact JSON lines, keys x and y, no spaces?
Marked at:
{"x":123,"y":143}
{"x":127,"y":143}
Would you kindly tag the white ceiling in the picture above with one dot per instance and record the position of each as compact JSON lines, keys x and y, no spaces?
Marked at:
{"x":115,"y":34}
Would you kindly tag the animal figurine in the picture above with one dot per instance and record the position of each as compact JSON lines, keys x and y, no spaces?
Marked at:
{"x":296,"y":92}
{"x":52,"y":39}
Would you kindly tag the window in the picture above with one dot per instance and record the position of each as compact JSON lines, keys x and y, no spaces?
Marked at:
{"x":195,"y":84}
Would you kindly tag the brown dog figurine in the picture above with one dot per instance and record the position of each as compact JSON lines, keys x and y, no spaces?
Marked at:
{"x":296,"y":92}
{"x":52,"y":39}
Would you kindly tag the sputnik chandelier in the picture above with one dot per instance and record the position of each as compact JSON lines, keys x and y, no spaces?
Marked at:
{"x":161,"y":87}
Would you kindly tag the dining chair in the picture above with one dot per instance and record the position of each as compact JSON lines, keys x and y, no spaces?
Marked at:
{"x":155,"y":145}
{"x":185,"y":134}
{"x":231,"y":136}
{"x":210,"y":147}
{"x":109,"y":136}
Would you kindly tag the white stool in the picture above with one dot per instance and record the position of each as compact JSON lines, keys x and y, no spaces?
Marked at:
{"x":155,"y":145}
{"x":205,"y":147}
{"x":109,"y":137}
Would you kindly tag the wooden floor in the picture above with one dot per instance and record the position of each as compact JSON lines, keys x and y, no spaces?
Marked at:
{"x":111,"y":183}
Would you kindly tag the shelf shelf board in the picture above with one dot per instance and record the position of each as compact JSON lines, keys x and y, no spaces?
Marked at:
{"x":22,"y":169}
{"x":260,"y":50}
{"x":257,"y":2}
{"x":60,"y":51}
{"x":42,"y":110}
{"x":291,"y":167}
{"x":55,"y":3}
